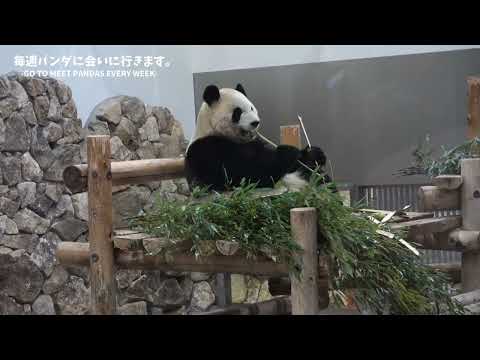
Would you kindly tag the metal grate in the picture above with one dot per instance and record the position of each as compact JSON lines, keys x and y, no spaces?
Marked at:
{"x":396,"y":196}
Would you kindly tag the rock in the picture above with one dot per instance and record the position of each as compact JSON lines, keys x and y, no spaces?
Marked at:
{"x":41,"y":205}
{"x":150,"y":128}
{"x":7,"y":226}
{"x":35,"y":87}
{"x":98,"y":127}
{"x":19,"y":277}
{"x":162,"y":117}
{"x":202,"y":296}
{"x":5,"y":250}
{"x":28,"y":114}
{"x":26,"y":242}
{"x":72,"y":131}
{"x":31,"y":171}
{"x":53,"y":132}
{"x":64,"y":155}
{"x":27,"y":191}
{"x":257,"y":290}
{"x":64,"y":207}
{"x":82,"y":272}
{"x":7,"y":107}
{"x":171,"y":146}
{"x":133,"y":109}
{"x":4,"y":87}
{"x":169,"y":294}
{"x":56,"y":280}
{"x":41,"y":106}
{"x":17,"y":253}
{"x":177,"y":130}
{"x":44,"y":253}
{"x":43,"y":305}
{"x":156,"y":311}
{"x":53,"y":192}
{"x":182,"y":186}
{"x":108,"y":110}
{"x":199,"y":276}
{"x":69,"y":110}
{"x":63,"y":92}
{"x":187,"y":287}
{"x":127,"y":132}
{"x":119,"y":151}
{"x":2,"y":139}
{"x":126,"y":277}
{"x":11,"y":169}
{"x":146,"y":151}
{"x":8,"y":207}
{"x":40,"y":149}
{"x":16,"y":137}
{"x":239,"y":288}
{"x":80,"y":205}
{"x":73,"y":298}
{"x":129,"y":203}
{"x":18,"y":93}
{"x":8,"y":306}
{"x":135,"y":308}
{"x":29,"y":222}
{"x":69,"y":229}
{"x":54,"y":110}
{"x":168,"y":186}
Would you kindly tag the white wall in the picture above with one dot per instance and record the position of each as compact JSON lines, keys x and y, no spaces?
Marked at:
{"x":173,"y":87}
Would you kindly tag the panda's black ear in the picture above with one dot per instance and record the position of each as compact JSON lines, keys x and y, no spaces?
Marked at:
{"x":211,"y":94}
{"x":241,"y":89}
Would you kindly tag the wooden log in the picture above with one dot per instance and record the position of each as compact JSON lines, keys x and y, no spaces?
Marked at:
{"x":470,"y":170}
{"x":127,"y":172}
{"x":448,"y":182}
{"x":290,"y":135}
{"x":281,"y":286}
{"x":276,"y":306}
{"x":100,"y":226}
{"x":465,"y":240}
{"x":468,"y":298}
{"x":71,"y":253}
{"x":305,"y":287}
{"x":454,"y":271}
{"x":433,"y":198}
{"x":474,"y":309}
{"x":473,"y":116}
{"x":433,"y":233}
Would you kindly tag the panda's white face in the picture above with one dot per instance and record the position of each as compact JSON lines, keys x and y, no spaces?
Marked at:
{"x":243,"y":112}
{"x":226,"y":111}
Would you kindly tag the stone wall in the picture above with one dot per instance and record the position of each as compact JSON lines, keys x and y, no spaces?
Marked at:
{"x":40,"y":134}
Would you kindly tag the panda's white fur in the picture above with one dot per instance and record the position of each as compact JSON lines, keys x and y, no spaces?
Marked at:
{"x":217,"y":117}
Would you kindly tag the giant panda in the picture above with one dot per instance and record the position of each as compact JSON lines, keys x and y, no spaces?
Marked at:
{"x":225,"y":150}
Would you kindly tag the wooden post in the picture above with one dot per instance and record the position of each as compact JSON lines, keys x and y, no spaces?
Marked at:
{"x":103,"y":292}
{"x":473,"y":117}
{"x":470,"y":169}
{"x":290,"y":135}
{"x":305,"y":289}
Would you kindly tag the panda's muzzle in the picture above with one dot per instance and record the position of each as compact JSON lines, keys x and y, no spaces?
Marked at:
{"x":255,"y":124}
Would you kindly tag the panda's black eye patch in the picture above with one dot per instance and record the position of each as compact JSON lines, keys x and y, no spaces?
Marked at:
{"x":236,"y":115}
{"x":251,"y":108}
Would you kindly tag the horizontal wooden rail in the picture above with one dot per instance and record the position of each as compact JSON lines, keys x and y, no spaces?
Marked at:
{"x":127,"y":172}
{"x":72,"y":253}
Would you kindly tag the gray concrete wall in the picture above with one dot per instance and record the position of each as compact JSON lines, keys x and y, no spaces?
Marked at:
{"x":367,"y":114}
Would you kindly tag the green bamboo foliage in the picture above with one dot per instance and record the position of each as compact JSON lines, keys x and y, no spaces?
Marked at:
{"x":383,"y":270}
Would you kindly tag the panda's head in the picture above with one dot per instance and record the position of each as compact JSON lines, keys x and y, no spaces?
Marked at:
{"x":226,"y":111}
